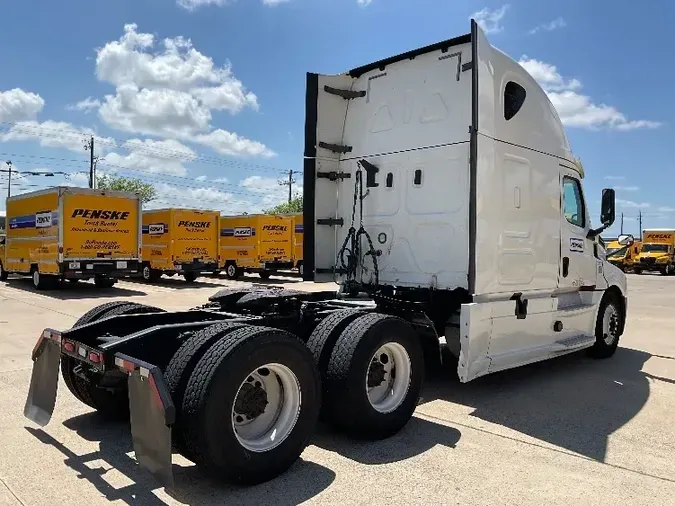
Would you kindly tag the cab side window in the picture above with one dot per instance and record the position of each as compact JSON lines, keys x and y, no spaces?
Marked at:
{"x":573,"y":202}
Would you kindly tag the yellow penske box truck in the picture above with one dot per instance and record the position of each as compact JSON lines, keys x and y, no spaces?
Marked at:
{"x":73,"y":233}
{"x":657,"y":252}
{"x":624,"y":257}
{"x":298,"y":235}
{"x":256,"y":243}
{"x":180,"y":241}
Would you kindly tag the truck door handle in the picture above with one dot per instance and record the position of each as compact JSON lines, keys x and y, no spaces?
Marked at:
{"x":565,"y":266}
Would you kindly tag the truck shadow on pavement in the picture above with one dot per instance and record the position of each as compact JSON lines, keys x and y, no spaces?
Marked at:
{"x":71,"y":291}
{"x":300,"y":483}
{"x":572,"y":402}
{"x":417,"y":437}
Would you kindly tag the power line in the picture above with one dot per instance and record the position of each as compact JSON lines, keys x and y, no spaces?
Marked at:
{"x":289,"y":183}
{"x":39,"y":131}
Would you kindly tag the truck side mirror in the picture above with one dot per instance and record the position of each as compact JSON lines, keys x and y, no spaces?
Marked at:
{"x":626,"y":240}
{"x":607,"y":211}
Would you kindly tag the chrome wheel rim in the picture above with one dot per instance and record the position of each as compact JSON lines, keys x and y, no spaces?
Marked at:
{"x":36,"y":277}
{"x":266,"y":407}
{"x":146,"y":272}
{"x":610,"y":324}
{"x":231,"y":270}
{"x":388,"y":377}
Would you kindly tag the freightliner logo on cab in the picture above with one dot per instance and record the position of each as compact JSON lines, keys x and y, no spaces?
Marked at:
{"x":194,"y":224}
{"x":103,"y":214}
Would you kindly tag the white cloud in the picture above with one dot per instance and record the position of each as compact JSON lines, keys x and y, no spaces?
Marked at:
{"x":631,"y":204}
{"x":162,"y":112}
{"x":627,"y":188}
{"x":162,"y":157}
{"x":171,"y":92}
{"x":56,"y":134}
{"x":615,"y":178}
{"x":667,"y":209}
{"x":178,"y":66}
{"x":19,"y":105}
{"x":550,"y":26}
{"x":201,"y":179}
{"x":269,"y":188}
{"x":229,"y":143}
{"x":205,"y":198}
{"x":87,"y":105}
{"x":191,"y":5}
{"x":490,"y":20}
{"x":575,"y":109}
{"x":364,"y":3}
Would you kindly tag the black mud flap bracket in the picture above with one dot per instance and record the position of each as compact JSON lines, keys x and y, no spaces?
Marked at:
{"x":44,"y":378}
{"x":331,"y":222}
{"x":152,"y":414}
{"x":521,"y":305}
{"x":333,"y":175}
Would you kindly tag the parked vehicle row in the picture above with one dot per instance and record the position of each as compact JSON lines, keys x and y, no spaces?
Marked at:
{"x":73,"y":234}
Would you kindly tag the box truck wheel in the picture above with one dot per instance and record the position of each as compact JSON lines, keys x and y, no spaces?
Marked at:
{"x":265,"y":274}
{"x":150,"y":275}
{"x":115,"y":403}
{"x":637,"y":270}
{"x":232,"y":271}
{"x":181,"y":365}
{"x":608,"y":327}
{"x":190,"y":276}
{"x":3,"y":273}
{"x":301,"y":269}
{"x":42,"y":281}
{"x":251,"y":405}
{"x":374,"y":376}
{"x":104,"y":282}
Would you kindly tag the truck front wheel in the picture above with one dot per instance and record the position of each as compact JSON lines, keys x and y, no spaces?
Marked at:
{"x":3,"y":273}
{"x":608,"y":327}
{"x":374,"y":376}
{"x":190,"y":276}
{"x":232,"y":271}
{"x":251,"y":405}
{"x":102,"y":282}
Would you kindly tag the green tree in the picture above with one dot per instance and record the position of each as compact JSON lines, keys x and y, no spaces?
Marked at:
{"x":120,"y":183}
{"x":294,"y":206}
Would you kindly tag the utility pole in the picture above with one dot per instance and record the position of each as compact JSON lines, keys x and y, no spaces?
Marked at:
{"x":289,"y":183}
{"x":89,"y":146}
{"x":621,"y":223}
{"x":9,"y":178}
{"x":640,"y":221}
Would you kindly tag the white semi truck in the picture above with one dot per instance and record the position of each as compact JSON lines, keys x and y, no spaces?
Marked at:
{"x":440,"y":185}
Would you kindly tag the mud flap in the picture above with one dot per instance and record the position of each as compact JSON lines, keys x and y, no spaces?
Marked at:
{"x":44,"y":379}
{"x":152,"y":414}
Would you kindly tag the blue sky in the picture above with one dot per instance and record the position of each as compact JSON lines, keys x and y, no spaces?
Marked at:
{"x":205,"y":98}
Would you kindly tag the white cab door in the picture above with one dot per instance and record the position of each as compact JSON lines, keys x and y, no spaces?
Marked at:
{"x":578,"y":267}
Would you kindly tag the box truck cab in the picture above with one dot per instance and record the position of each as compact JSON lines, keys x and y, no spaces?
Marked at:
{"x":657,"y":253}
{"x":69,"y":233}
{"x":180,"y":241}
{"x":624,"y":257}
{"x":438,"y":182}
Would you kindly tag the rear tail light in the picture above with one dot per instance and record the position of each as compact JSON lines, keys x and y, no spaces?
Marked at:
{"x":60,"y":250}
{"x":96,"y":358}
{"x":68,"y":346}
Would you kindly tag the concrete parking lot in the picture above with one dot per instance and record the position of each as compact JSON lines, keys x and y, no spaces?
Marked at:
{"x":568,"y":431}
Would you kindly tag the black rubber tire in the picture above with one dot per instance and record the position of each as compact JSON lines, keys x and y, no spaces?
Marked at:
{"x":232,"y":271}
{"x":346,"y":401}
{"x":323,"y":338}
{"x":3,"y":273}
{"x":182,"y":364}
{"x":104,"y":282}
{"x":637,"y":270}
{"x":191,"y":276}
{"x":149,"y":274}
{"x":601,"y":349}
{"x":73,"y":281}
{"x":211,"y":392}
{"x":265,"y":274}
{"x":112,"y":404}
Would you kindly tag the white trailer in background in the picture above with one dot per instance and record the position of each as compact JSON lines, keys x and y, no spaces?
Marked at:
{"x":438,"y":183}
